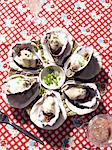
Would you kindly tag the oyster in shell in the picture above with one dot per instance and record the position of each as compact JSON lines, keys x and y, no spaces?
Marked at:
{"x":48,"y":112}
{"x":92,"y":69}
{"x":78,"y":60}
{"x":24,"y":56}
{"x":43,"y":54}
{"x":21,"y":90}
{"x":81,"y":98}
{"x":59,"y":43}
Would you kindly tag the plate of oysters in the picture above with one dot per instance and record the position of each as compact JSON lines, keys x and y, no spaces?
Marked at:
{"x":50,"y":78}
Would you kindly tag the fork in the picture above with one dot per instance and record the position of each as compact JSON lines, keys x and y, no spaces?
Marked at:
{"x":4,"y":119}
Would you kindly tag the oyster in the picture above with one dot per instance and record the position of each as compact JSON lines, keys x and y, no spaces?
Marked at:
{"x":20,"y":90}
{"x":81,"y":98}
{"x":78,"y":60}
{"x":24,"y":56}
{"x":92,"y":69}
{"x":48,"y":112}
{"x":43,"y":54}
{"x":59,"y":43}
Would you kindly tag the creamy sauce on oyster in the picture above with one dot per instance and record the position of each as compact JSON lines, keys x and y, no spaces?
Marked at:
{"x":75,"y":93}
{"x":49,"y":108}
{"x":16,"y":85}
{"x":80,"y":61}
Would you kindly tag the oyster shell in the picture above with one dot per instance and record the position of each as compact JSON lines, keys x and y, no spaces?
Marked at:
{"x":48,"y":112}
{"x":59,"y":43}
{"x":24,"y":57}
{"x":43,"y":54}
{"x":78,"y":60}
{"x":81,"y":98}
{"x":20,"y":90}
{"x":92,"y":69}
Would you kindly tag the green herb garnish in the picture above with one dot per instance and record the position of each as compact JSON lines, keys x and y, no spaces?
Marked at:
{"x":81,"y":63}
{"x":41,"y":91}
{"x":46,"y":61}
{"x":40,"y":46}
{"x":35,"y":47}
{"x":52,"y":77}
{"x":50,"y":70}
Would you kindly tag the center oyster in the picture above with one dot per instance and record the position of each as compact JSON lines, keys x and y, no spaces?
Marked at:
{"x":21,"y":90}
{"x":48,"y":112}
{"x":81,"y":98}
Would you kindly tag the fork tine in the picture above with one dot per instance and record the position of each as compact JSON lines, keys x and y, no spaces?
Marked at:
{"x":3,"y":117}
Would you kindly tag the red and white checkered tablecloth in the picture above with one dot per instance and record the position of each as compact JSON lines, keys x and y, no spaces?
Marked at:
{"x":90,"y":23}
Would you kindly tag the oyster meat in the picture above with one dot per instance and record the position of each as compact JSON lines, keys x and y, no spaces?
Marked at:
{"x":21,"y":90}
{"x":81,"y":98}
{"x":92,"y":69}
{"x":25,"y":57}
{"x":78,"y":60}
{"x":59,"y":44}
{"x":48,"y":112}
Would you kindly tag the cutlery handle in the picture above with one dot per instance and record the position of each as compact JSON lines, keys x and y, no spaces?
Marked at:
{"x":26,"y":133}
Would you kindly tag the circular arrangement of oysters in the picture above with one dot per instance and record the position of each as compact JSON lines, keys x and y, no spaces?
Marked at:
{"x":23,"y":88}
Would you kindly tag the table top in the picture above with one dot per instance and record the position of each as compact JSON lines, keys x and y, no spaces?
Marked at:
{"x":90,"y":23}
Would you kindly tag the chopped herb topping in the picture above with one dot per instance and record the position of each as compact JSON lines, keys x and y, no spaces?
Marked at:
{"x":35,"y":47}
{"x":50,"y":69}
{"x":41,"y":91}
{"x":52,"y":77}
{"x":40,"y":46}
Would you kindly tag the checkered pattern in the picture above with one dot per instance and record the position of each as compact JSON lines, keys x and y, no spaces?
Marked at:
{"x":90,"y":23}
